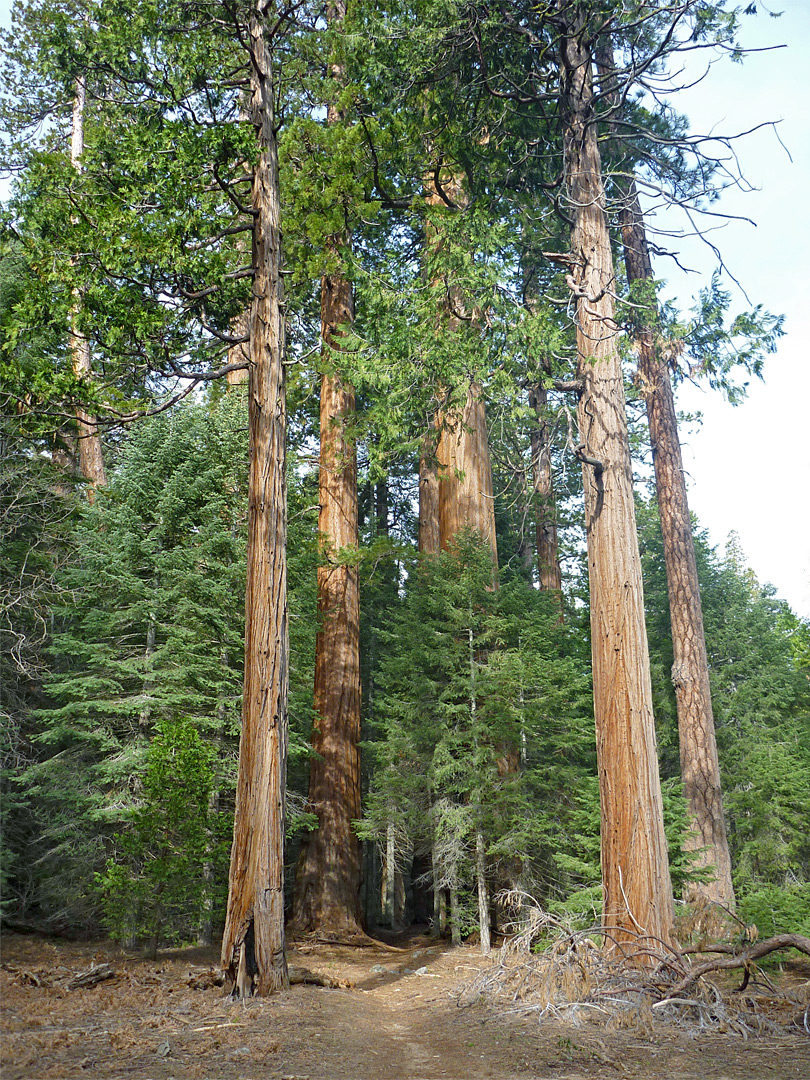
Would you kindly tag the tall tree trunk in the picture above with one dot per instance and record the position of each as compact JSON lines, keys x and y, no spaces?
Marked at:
{"x":465,"y":473}
{"x":327,"y":886}
{"x":253,"y":953}
{"x":429,"y":543}
{"x":700,"y":769}
{"x":635,"y":868}
{"x":91,"y":460}
{"x":464,"y":468}
{"x":548,"y":554}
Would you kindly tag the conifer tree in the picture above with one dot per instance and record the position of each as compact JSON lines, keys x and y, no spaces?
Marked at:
{"x":635,"y":867}
{"x":327,"y":887}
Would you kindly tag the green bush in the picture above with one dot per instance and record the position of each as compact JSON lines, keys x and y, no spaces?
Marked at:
{"x":158,"y":887}
{"x":778,"y":909}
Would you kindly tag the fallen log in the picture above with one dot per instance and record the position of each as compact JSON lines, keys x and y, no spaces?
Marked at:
{"x":96,"y":973}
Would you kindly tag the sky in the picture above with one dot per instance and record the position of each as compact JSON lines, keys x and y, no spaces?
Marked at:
{"x":749,"y":466}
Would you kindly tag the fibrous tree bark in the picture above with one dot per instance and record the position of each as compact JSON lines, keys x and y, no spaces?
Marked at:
{"x":253,"y":947}
{"x":91,"y":460}
{"x":635,"y":868}
{"x":466,"y":499}
{"x":465,"y":496}
{"x":700,"y":769}
{"x":327,"y":886}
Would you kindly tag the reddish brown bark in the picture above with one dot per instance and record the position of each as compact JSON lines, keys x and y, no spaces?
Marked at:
{"x":465,"y":498}
{"x":91,"y":460}
{"x":253,"y":955}
{"x":465,"y":474}
{"x":327,"y":885}
{"x":327,"y":888}
{"x":548,"y":555}
{"x":635,"y":868}
{"x":700,"y":768}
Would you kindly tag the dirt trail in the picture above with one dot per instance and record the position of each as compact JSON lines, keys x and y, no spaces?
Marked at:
{"x":165,"y":1020}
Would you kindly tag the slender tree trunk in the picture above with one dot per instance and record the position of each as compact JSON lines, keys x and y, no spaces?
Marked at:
{"x":439,"y":899}
{"x":700,"y":769}
{"x":390,"y":879}
{"x":635,"y":867}
{"x":91,"y":461}
{"x":239,"y":354}
{"x":253,"y":948}
{"x":429,"y":543}
{"x":483,"y":894}
{"x":327,"y":887}
{"x":455,"y":916}
{"x":548,"y":554}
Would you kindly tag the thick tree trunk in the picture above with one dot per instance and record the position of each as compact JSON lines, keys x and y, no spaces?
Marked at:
{"x":465,"y":498}
{"x":91,"y":460}
{"x":635,"y":868}
{"x":548,"y":555}
{"x":700,"y":768}
{"x":327,"y":886}
{"x":465,"y":474}
{"x":253,"y":955}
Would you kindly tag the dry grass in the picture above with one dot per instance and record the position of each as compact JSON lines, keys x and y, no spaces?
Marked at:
{"x":580,"y":976}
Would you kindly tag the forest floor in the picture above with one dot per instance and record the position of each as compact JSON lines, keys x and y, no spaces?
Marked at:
{"x":399,"y":1018}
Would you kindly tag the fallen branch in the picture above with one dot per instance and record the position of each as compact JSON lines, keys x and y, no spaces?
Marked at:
{"x":741,"y":959}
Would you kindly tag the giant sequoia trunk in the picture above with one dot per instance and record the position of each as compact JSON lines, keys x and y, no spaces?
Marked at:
{"x":466,"y":499}
{"x":91,"y":461}
{"x":700,"y":769}
{"x":327,"y":886}
{"x":635,"y":868}
{"x":253,"y":944}
{"x":464,"y":472}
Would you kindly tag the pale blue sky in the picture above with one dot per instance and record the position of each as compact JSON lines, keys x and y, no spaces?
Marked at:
{"x":749,"y":467}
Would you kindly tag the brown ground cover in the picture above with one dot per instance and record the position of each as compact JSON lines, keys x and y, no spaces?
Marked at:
{"x":401,"y":1018}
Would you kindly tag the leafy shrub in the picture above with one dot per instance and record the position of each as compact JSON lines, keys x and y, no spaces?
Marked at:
{"x":158,"y":886}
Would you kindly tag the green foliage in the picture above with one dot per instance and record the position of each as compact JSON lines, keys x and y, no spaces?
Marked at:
{"x":475,"y":680}
{"x":171,"y":857}
{"x":148,"y":628}
{"x":761,"y":702}
{"x":775,"y":909}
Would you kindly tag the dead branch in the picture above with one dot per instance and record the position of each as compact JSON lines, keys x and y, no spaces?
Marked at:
{"x":741,"y":959}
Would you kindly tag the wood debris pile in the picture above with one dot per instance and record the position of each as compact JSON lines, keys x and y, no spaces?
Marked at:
{"x":582,"y":976}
